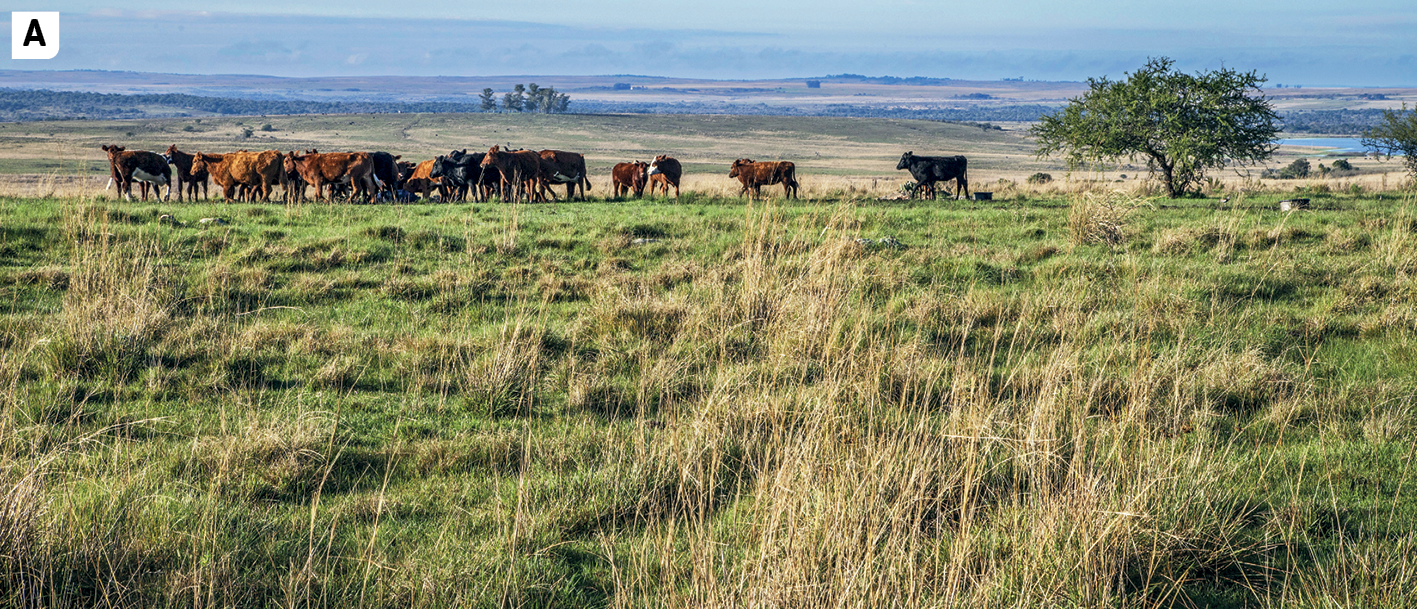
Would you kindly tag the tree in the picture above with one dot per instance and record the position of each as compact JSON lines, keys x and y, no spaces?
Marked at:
{"x":1181,"y":124}
{"x":516,"y":100}
{"x":489,"y":99}
{"x":1397,"y":134}
{"x":533,"y":98}
{"x":563,"y":103}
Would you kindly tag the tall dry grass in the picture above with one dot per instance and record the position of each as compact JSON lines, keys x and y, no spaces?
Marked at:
{"x":803,"y":429}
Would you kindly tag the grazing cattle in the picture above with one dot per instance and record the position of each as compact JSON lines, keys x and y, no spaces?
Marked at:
{"x":183,"y":162}
{"x":629,"y":177}
{"x":257,"y":172}
{"x":567,"y":168}
{"x":930,"y":169}
{"x":460,"y":171}
{"x":127,"y":166}
{"x":520,"y":170}
{"x":387,"y":170}
{"x":754,"y":176}
{"x":665,"y":171}
{"x":332,"y":168}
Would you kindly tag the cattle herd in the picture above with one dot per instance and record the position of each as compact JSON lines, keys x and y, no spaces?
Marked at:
{"x":511,"y":175}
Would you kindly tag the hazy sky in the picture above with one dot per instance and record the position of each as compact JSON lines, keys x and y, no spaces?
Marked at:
{"x":1293,"y":42}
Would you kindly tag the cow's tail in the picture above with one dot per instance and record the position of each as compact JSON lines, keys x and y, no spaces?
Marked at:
{"x":110,"y":184}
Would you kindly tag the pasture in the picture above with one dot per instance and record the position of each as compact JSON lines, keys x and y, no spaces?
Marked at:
{"x":1057,"y":399}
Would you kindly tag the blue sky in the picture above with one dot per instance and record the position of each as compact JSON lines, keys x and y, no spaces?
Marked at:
{"x":1371,"y":43}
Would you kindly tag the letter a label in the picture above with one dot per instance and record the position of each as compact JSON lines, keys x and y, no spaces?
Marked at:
{"x":34,"y":35}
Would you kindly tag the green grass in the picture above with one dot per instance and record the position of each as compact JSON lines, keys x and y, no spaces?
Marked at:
{"x":493,"y":405}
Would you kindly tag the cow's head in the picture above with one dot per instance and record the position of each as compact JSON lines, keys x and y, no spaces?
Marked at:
{"x":904,"y":160}
{"x":287,"y":162}
{"x":738,"y":166}
{"x":654,"y":165}
{"x":112,"y":150}
{"x":440,"y":165}
{"x":199,"y":162}
{"x":494,"y":154}
{"x":171,"y":150}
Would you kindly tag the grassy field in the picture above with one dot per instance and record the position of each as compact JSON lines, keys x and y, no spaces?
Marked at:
{"x":1049,"y":400}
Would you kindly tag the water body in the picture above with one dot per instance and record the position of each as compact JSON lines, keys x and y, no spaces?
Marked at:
{"x":1331,"y":145}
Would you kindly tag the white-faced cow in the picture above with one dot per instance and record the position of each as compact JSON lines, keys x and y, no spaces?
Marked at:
{"x":930,"y":169}
{"x":665,"y":171}
{"x":125,"y":167}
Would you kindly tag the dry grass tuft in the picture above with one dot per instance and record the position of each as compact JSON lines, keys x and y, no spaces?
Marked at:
{"x":1102,"y":217}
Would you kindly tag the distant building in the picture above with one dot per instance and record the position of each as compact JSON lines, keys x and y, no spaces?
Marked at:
{"x":814,"y":84}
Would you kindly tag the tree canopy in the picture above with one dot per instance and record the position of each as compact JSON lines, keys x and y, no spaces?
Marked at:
{"x":1181,"y":124}
{"x":1396,"y":135}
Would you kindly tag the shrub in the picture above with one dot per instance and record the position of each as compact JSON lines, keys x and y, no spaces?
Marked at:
{"x":1342,"y":165}
{"x":1040,"y":178}
{"x":267,"y":127}
{"x":1298,"y":169}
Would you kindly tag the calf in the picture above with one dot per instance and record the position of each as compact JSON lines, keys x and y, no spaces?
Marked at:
{"x":127,"y":166}
{"x":185,"y":176}
{"x":754,"y":175}
{"x":628,"y":177}
{"x":665,"y":171}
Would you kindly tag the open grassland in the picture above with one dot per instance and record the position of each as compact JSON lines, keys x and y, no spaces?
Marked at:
{"x":1080,"y":400}
{"x":833,"y":155}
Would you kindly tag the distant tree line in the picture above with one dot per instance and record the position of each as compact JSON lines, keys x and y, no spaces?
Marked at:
{"x":1332,"y":122}
{"x":891,"y":80}
{"x":527,"y":98}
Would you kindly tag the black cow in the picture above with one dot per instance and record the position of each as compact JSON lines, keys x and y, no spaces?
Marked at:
{"x":461,"y":171}
{"x":930,"y":169}
{"x":387,"y":170}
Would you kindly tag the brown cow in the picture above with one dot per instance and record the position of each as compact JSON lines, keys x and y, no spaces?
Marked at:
{"x":125,"y":166}
{"x":566,"y":168}
{"x":257,"y":172}
{"x":290,"y":181}
{"x":333,"y":168}
{"x":665,"y":171}
{"x":520,"y":169}
{"x":755,"y":175}
{"x":628,"y":177}
{"x":183,"y":162}
{"x":422,"y":183}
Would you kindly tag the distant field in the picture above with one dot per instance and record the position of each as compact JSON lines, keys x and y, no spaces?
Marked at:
{"x":1047,"y":400}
